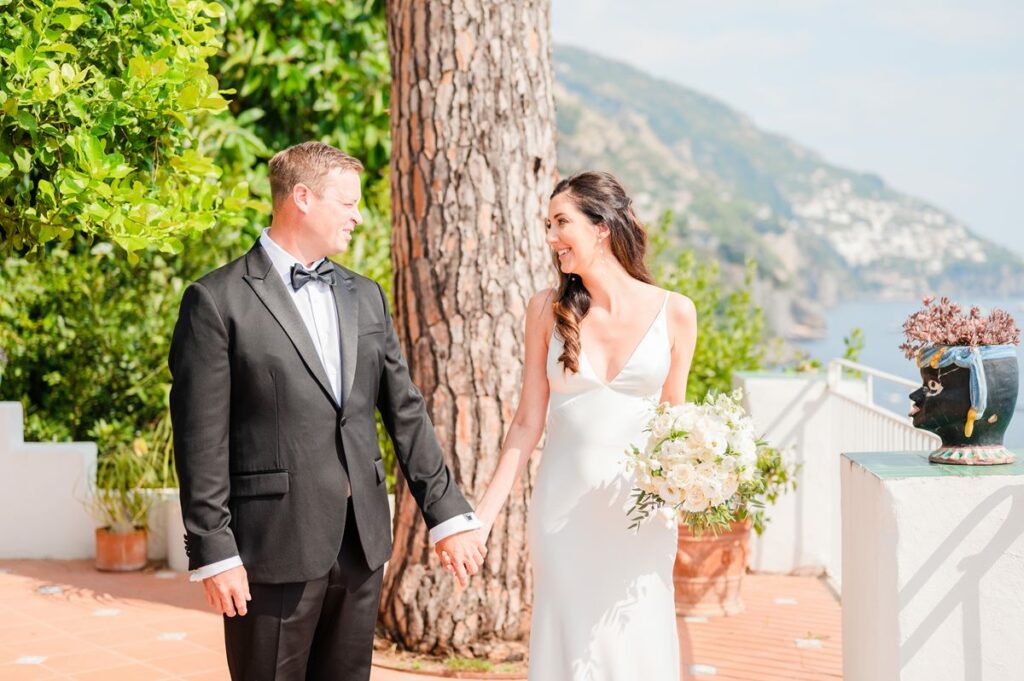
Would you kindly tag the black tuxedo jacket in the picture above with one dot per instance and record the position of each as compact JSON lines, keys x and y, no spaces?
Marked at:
{"x":263,"y":452}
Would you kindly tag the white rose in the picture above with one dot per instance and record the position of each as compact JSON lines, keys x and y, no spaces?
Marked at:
{"x":662,"y":425}
{"x":695,"y":502}
{"x":683,"y":474}
{"x":706,"y":470}
{"x":671,"y":495}
{"x":712,"y":490}
{"x":730,"y":485}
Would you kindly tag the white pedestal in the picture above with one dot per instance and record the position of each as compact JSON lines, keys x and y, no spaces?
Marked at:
{"x":933,"y":569}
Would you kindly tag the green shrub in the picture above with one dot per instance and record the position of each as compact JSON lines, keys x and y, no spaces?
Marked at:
{"x":97,"y":106}
{"x":731,"y":330}
{"x":87,"y":333}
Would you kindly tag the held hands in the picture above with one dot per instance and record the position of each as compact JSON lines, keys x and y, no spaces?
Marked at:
{"x":228,"y":591}
{"x":462,"y":554}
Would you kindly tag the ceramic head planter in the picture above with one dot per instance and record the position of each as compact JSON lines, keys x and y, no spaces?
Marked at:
{"x":969,"y":380}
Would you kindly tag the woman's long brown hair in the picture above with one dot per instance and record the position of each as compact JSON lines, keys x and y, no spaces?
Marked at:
{"x":599,"y":196}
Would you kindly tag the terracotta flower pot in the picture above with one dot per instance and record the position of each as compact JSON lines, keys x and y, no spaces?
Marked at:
{"x":709,"y":569}
{"x":120,"y":551}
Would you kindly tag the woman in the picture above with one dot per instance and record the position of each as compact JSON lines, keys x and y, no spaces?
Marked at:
{"x":599,"y":348}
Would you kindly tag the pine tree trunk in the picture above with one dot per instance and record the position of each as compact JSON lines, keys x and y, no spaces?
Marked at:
{"x":472,"y":166}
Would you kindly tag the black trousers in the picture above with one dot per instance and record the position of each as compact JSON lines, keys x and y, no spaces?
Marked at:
{"x":310,"y":631}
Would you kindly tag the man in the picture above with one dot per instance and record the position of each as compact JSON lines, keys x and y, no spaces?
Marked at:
{"x":279,"y":360}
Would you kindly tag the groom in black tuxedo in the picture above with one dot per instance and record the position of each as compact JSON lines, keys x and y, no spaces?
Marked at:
{"x":279,"y":360}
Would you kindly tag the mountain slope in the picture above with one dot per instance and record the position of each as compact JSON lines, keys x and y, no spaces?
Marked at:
{"x":821,"y":233}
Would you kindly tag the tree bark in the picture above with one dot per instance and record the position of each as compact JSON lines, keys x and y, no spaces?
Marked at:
{"x":472,"y":166}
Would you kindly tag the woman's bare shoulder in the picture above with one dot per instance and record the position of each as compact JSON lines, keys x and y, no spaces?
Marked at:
{"x":681,"y":307}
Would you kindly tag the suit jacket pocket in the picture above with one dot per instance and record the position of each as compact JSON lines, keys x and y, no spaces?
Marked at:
{"x":269,"y":483}
{"x":378,"y":466}
{"x":367,"y":329}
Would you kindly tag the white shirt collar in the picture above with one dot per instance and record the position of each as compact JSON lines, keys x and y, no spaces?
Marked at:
{"x":281,"y":259}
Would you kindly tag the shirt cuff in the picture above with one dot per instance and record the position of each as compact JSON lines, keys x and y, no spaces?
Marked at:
{"x":460,"y":523}
{"x":199,"y":574}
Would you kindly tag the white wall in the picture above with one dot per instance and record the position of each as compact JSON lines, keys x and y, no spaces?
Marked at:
{"x":43,"y":488}
{"x":870,"y":596}
{"x":934,"y":586}
{"x":792,"y":410}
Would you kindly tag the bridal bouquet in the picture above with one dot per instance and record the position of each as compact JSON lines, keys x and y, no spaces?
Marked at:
{"x":703,"y":464}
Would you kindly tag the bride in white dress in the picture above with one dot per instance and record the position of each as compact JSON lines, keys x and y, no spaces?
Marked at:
{"x":599,"y":349}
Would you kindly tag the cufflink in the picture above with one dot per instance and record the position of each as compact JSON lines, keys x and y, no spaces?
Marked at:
{"x":468,"y":516}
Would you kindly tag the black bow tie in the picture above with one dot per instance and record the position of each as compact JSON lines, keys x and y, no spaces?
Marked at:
{"x":301,"y":276}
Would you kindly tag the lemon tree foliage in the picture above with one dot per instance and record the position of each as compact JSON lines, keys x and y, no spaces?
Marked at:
{"x":86,"y":330}
{"x":98,"y":105}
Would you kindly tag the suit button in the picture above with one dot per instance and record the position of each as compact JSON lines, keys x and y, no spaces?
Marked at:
{"x":344,"y":420}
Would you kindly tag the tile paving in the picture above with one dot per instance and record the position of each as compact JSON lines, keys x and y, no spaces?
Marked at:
{"x":154,"y":625}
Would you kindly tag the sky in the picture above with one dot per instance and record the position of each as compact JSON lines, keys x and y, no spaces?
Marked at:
{"x":928,"y":94}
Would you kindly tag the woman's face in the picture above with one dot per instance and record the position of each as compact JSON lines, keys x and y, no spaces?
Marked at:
{"x":576,"y":241}
{"x":941,"y":403}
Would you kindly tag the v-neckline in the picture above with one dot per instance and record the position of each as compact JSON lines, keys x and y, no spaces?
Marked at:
{"x":629,"y":359}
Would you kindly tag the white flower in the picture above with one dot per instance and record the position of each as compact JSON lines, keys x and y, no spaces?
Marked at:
{"x":711,"y":434}
{"x":683,"y":474}
{"x":712,"y":490}
{"x":695,"y":502}
{"x":696,"y":456}
{"x":686,"y":416}
{"x":730,"y":485}
{"x":671,"y":495}
{"x":706,"y":470}
{"x":662,"y":425}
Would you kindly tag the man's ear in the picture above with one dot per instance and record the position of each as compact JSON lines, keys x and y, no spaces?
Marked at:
{"x":302,"y":195}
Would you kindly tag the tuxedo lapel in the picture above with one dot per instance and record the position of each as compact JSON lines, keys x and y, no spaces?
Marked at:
{"x":271,"y":291}
{"x":348,"y":323}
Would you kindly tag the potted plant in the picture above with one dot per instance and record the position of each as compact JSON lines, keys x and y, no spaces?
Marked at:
{"x":166,"y":513}
{"x":710,"y":566}
{"x":969,"y":380}
{"x":120,"y":504}
{"x":703,"y":467}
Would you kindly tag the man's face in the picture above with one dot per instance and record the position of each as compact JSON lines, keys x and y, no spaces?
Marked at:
{"x":334,"y":212}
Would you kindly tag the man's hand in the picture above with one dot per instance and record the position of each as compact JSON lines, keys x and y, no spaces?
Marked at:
{"x":462,"y":554}
{"x":228,"y":591}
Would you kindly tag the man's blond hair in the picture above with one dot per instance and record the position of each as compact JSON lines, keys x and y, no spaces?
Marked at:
{"x":308,"y":163}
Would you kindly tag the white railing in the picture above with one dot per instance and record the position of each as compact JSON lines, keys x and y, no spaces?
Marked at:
{"x":858,"y":424}
{"x":815,"y":418}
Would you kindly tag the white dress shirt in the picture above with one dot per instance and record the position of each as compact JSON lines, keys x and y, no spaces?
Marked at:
{"x":315,"y":303}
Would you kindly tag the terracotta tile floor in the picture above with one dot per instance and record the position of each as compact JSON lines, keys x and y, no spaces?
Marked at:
{"x":65,"y":620}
